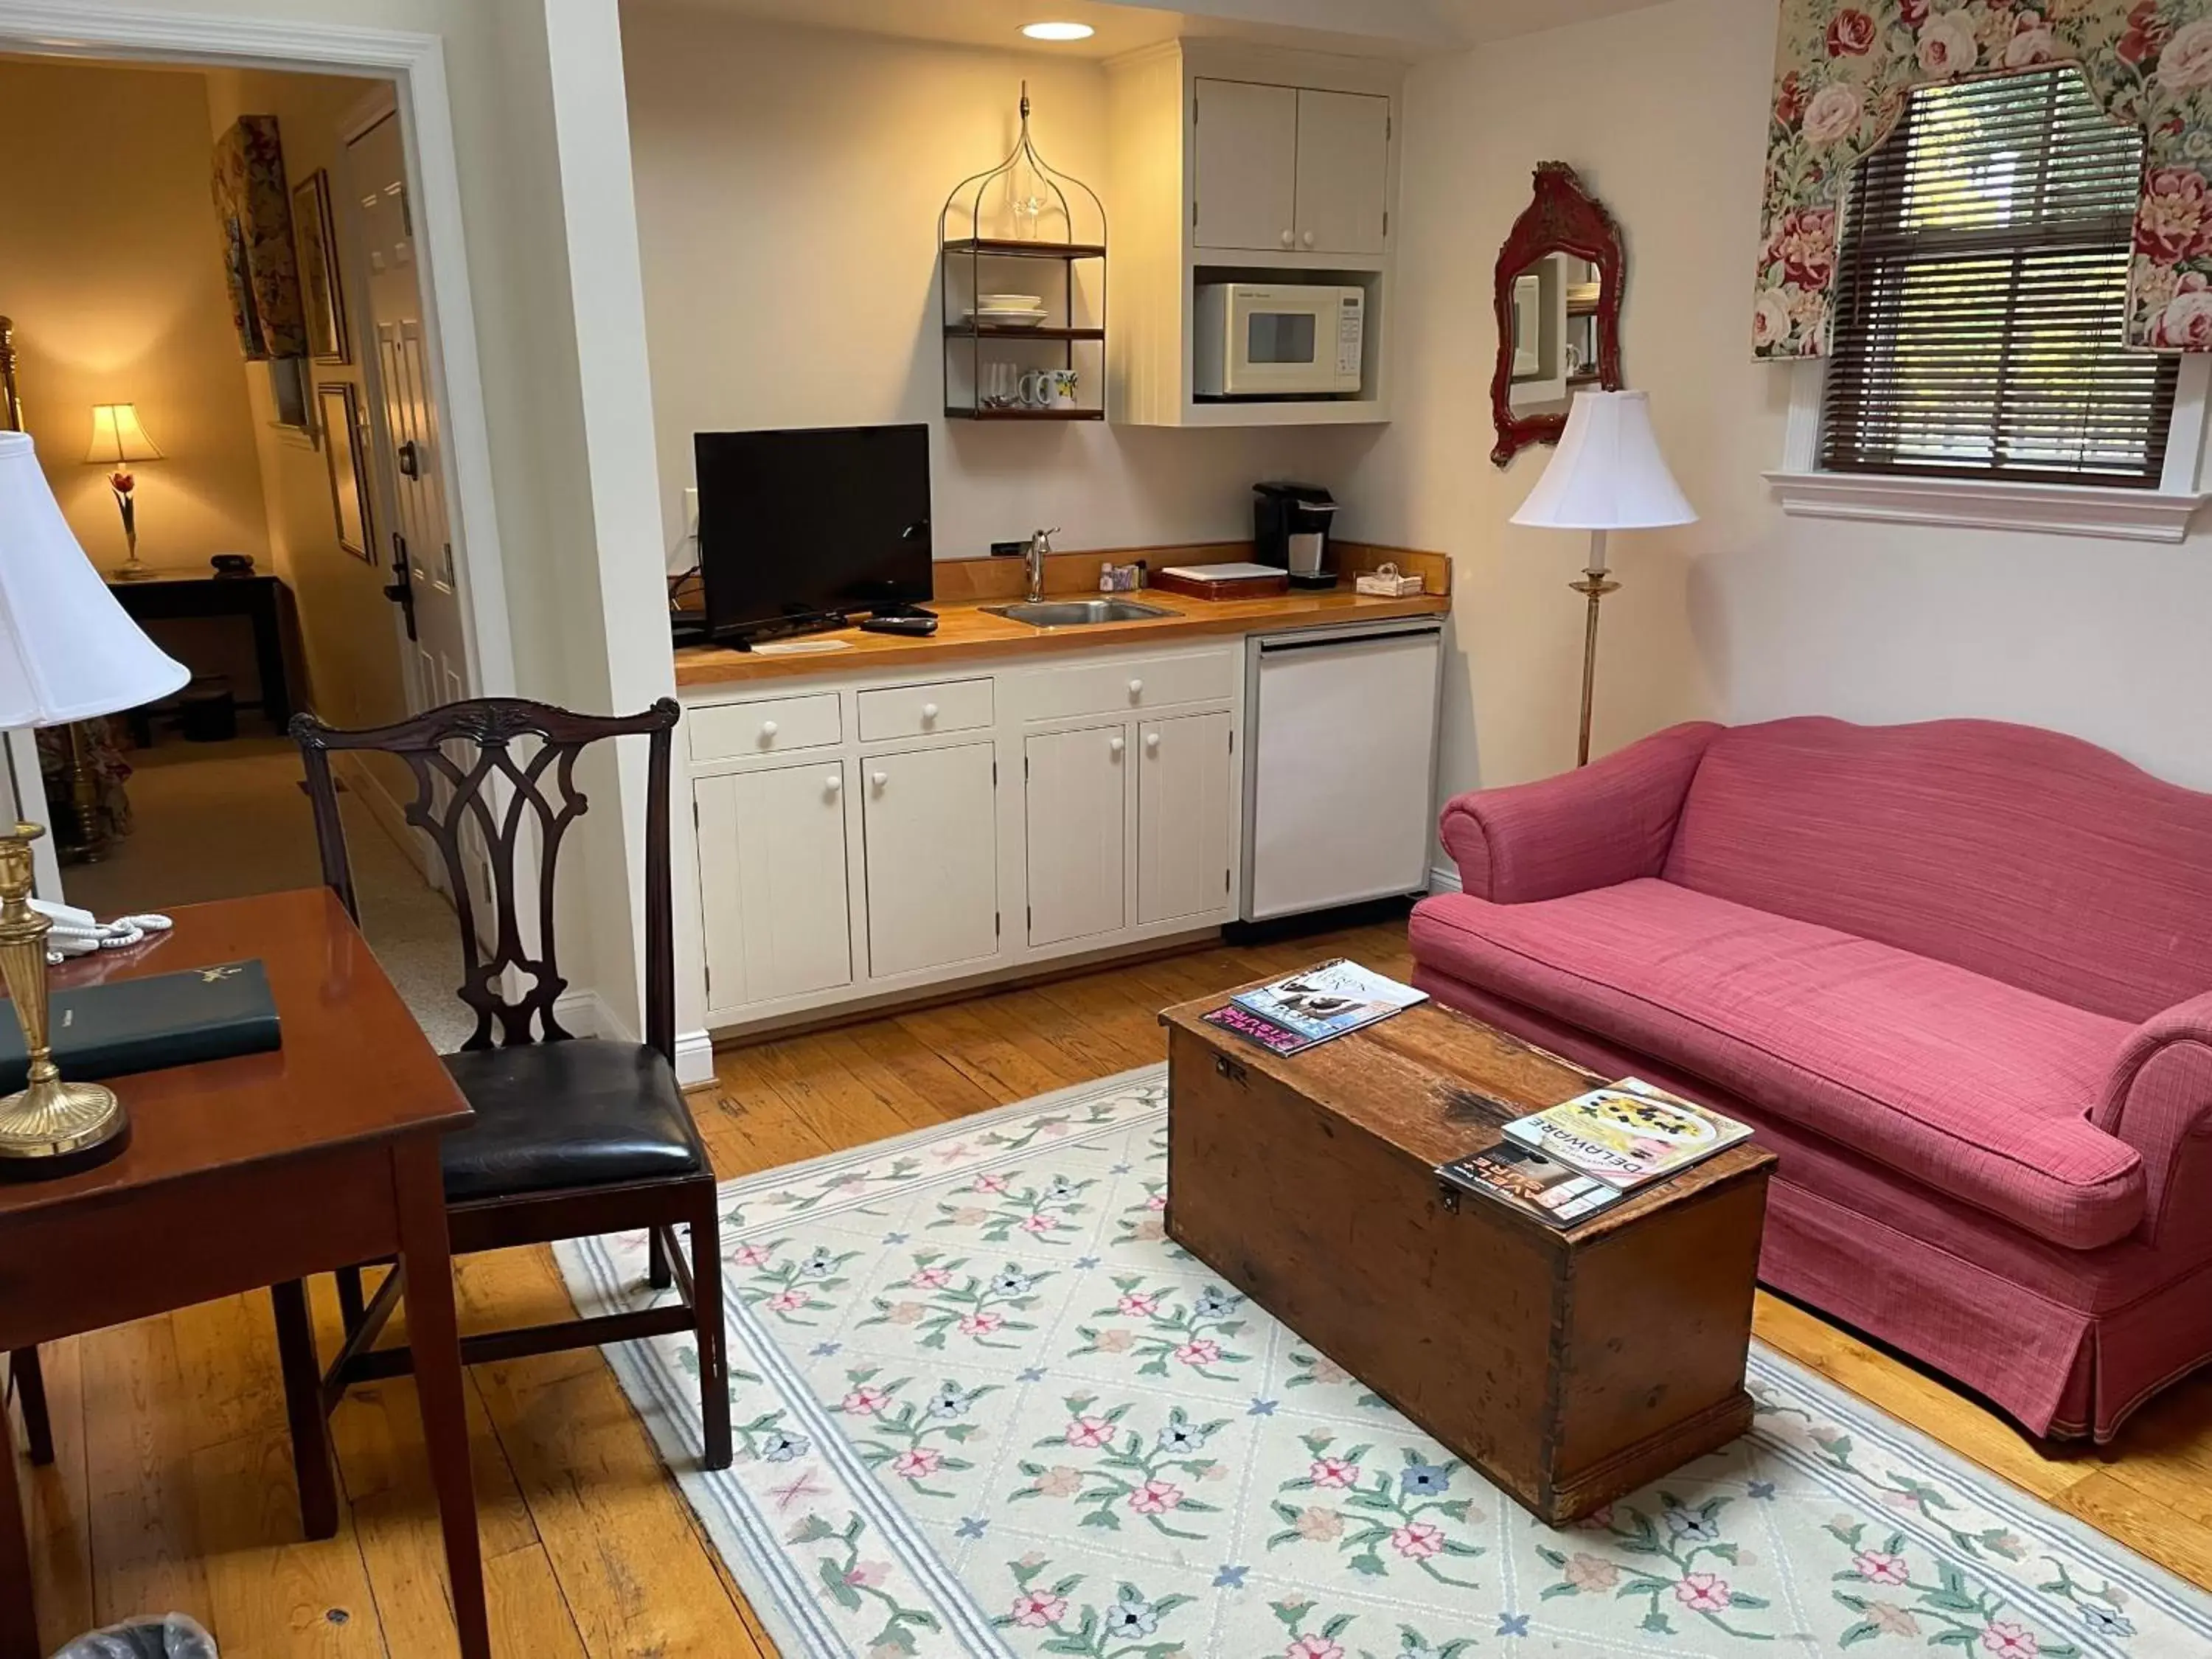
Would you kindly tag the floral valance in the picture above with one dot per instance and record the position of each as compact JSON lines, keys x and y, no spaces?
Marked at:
{"x":1842,"y":69}
{"x":256,"y":215}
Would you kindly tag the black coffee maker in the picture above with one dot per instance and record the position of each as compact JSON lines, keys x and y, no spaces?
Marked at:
{"x":1290,"y":530}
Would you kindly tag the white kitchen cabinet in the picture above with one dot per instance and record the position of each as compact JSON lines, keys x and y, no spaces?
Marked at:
{"x":1343,"y":171}
{"x":929,"y":820}
{"x":1246,"y":143}
{"x":773,"y":894}
{"x":1186,"y":785}
{"x":1074,"y":789}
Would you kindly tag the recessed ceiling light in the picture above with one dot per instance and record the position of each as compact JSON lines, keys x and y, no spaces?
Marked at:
{"x":1058,"y":31}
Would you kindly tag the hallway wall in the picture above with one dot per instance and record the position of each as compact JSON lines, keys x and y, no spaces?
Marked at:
{"x":111,"y":265}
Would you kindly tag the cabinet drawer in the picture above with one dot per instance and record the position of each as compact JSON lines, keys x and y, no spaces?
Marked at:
{"x":734,"y":730}
{"x":921,"y":711}
{"x":1136,"y":683}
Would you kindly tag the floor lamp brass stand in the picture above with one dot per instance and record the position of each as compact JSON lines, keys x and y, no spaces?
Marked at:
{"x":1596,"y":584}
{"x":49,"y":1119}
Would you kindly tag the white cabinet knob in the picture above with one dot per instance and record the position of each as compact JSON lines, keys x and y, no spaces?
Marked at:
{"x":1116,"y":745}
{"x":1151,"y":739}
{"x":1289,"y":240}
{"x":929,"y":711}
{"x":834,"y":783}
{"x":879,"y":779}
{"x":1308,"y":238}
{"x":767,"y":728}
{"x":1136,"y":688}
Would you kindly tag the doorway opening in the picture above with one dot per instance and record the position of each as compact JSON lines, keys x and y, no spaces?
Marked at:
{"x":218,"y":318}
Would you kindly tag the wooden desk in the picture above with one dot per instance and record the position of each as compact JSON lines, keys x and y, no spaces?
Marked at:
{"x":259,"y":598}
{"x":259,"y":1171}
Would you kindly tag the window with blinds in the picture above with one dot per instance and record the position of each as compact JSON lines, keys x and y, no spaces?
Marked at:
{"x":1981,"y":294}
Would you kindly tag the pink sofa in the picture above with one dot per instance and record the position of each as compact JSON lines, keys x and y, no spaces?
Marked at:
{"x":1960,"y":976}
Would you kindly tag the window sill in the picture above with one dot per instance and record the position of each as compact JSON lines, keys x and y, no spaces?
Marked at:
{"x":2135,"y":515}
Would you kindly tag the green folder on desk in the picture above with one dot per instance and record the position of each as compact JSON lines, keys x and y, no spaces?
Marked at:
{"x":130,"y":1025}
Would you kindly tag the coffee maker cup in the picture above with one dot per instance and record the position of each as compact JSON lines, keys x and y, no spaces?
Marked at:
{"x":1290,"y":530}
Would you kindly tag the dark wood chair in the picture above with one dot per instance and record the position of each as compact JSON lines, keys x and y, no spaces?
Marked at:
{"x":574,"y":1136}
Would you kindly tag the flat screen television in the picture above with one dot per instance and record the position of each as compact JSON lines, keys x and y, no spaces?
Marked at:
{"x":797,"y":529}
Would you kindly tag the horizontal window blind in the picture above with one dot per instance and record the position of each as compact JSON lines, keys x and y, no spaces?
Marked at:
{"x":1981,"y":294}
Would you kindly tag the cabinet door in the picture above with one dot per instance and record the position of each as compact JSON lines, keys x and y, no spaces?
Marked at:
{"x":1075,"y":783}
{"x":772,"y":882}
{"x":1247,"y":145}
{"x":931,"y":825}
{"x":1344,"y":171}
{"x":1184,"y":777}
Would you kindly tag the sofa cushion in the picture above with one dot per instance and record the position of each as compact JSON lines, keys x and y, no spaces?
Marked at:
{"x":1965,"y":1084}
{"x":2032,"y":857}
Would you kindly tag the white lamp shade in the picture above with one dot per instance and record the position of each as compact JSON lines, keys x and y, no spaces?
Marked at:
{"x":67,"y":651}
{"x":118,"y":437}
{"x":1607,"y":473}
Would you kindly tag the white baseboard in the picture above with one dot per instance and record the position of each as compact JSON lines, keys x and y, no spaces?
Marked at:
{"x":586,"y":1014}
{"x":1442,"y":880}
{"x":694,"y":1059}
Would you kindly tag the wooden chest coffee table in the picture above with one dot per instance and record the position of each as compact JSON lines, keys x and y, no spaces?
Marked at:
{"x":1570,"y":1367}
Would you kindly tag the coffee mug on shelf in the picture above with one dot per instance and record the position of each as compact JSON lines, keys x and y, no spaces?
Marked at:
{"x":1036,"y":388}
{"x":1064,"y":383}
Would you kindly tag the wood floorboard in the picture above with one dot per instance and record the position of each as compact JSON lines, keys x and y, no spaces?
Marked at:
{"x":173,"y":1485}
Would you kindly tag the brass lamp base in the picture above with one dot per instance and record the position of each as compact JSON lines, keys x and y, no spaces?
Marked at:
{"x":62,"y":1121}
{"x":51,"y":1127}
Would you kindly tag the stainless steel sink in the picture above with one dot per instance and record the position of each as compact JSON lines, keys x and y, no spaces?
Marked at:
{"x":1077,"y":613}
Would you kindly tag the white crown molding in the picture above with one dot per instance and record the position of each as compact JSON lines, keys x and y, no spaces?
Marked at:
{"x":2139,"y":515}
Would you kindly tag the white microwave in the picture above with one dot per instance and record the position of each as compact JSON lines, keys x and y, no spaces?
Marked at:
{"x":1261,"y":340}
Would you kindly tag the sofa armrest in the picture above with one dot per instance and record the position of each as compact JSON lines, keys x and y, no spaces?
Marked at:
{"x":2159,"y":1101}
{"x":1609,"y":821}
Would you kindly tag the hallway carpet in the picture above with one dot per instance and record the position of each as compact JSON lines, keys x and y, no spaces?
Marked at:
{"x":226,"y":820}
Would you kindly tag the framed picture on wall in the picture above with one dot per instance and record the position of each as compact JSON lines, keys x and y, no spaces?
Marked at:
{"x":322,"y":296}
{"x":342,"y":446}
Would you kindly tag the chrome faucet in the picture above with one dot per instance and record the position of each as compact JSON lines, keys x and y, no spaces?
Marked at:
{"x":1033,"y":561}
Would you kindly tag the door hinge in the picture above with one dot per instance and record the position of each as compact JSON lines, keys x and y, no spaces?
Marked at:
{"x":1389,"y":127}
{"x":1025,"y":766}
{"x":994,"y":774}
{"x":1225,"y":880}
{"x":997,"y":917}
{"x":1194,"y":213}
{"x":1028,"y":917}
{"x":1386,"y":221}
{"x":695,"y":817}
{"x":1233,"y":739}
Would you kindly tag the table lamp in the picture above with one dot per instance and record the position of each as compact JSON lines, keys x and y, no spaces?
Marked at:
{"x":117,"y":438}
{"x":68,"y":652}
{"x":1606,"y":475}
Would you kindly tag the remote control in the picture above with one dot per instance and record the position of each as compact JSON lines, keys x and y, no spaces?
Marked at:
{"x":923,"y":624}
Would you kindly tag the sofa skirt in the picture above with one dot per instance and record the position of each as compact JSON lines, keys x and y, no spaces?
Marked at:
{"x":2066,"y":1342}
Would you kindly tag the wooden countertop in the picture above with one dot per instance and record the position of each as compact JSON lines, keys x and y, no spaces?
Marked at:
{"x":966,"y":632}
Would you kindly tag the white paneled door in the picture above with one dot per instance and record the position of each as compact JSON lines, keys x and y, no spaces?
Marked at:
{"x":1247,"y":143}
{"x":1185,"y":780}
{"x":1344,"y":171}
{"x":930,"y":819}
{"x":776,"y":914}
{"x":1074,"y":789}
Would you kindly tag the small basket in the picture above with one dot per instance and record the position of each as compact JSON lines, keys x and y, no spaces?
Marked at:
{"x":1386,"y":582}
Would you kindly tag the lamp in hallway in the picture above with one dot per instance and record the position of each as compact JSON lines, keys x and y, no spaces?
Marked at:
{"x":1606,"y":475}
{"x":117,"y":439}
{"x":68,"y":653}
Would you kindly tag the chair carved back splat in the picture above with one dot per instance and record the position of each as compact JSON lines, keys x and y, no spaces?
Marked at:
{"x":506,"y":768}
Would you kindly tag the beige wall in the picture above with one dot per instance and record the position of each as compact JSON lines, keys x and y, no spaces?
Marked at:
{"x":111,"y":265}
{"x":788,"y":187}
{"x":346,"y":625}
{"x":1748,"y":614}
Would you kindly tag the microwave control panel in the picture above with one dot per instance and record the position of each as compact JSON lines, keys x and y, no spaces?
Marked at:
{"x":1351,"y":332}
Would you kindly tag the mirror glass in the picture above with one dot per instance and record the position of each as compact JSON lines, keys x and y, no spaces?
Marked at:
{"x":1555,"y":311}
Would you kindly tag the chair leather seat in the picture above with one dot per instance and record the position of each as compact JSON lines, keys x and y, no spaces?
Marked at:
{"x":554,"y":1116}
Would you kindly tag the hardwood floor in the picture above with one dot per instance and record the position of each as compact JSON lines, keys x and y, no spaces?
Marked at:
{"x":172,"y":1487}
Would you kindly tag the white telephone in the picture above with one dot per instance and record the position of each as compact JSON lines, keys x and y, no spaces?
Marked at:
{"x":79,"y":933}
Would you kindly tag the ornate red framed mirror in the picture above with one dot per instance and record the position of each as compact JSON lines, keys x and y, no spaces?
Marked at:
{"x":1559,"y":280}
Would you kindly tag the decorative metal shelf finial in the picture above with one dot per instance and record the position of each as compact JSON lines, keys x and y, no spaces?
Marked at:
{"x":1028,"y":201}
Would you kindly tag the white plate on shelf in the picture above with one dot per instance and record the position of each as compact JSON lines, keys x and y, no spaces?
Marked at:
{"x":1017,"y":318}
{"x":1011,"y":301}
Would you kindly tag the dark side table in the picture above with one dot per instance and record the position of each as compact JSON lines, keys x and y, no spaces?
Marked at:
{"x":259,"y":598}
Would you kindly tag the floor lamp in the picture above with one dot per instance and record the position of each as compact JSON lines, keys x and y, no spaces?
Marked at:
{"x":1606,"y":475}
{"x":68,"y":652}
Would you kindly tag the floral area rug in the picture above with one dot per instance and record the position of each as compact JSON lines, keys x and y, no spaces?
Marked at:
{"x":984,"y":1408}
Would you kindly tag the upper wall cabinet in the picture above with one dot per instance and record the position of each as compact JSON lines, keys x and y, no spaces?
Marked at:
{"x":1289,"y":169}
{"x":1234,"y":164}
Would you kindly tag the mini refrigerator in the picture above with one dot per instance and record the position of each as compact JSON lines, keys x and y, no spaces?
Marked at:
{"x":1339,"y":765}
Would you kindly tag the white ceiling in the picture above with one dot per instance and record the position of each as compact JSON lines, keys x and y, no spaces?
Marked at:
{"x":1394,"y":28}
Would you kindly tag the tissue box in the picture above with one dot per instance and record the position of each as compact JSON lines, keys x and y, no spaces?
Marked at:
{"x":1387,"y":584}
